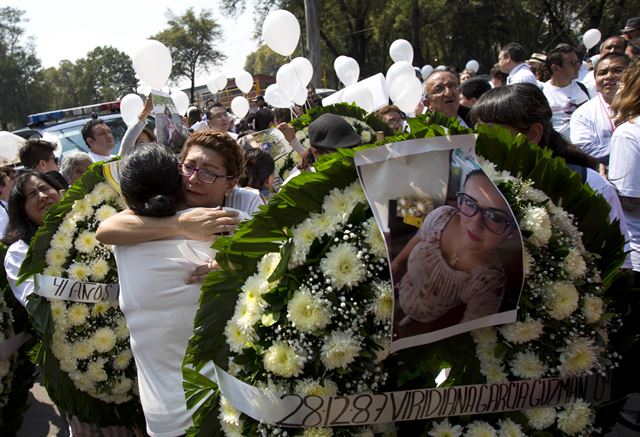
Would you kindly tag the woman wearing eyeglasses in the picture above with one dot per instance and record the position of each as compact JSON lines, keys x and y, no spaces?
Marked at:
{"x":453,"y":259}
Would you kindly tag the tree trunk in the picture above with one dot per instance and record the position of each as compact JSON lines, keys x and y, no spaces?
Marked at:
{"x":312,"y":21}
{"x":416,"y":41}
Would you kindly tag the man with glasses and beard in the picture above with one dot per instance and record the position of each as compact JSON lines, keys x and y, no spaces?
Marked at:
{"x":563,"y":92}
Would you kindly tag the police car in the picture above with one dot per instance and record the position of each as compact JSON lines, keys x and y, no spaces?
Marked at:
{"x":64,"y":126}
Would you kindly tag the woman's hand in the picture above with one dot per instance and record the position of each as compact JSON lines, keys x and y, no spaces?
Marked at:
{"x":207,"y":223}
{"x":398,"y":268}
{"x":201,"y":272}
{"x":146,"y":110}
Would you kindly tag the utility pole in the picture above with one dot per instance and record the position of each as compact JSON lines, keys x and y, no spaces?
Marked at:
{"x":312,"y":21}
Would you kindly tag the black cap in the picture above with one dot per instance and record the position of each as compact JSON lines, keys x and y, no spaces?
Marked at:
{"x":331,"y":131}
{"x":632,"y":24}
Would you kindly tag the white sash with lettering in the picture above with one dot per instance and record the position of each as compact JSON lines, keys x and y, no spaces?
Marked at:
{"x":54,"y":287}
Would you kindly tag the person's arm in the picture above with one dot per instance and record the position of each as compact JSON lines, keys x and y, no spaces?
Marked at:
{"x":290,"y":135}
{"x":399,"y":263}
{"x":134,"y":131}
{"x":197,"y":224}
{"x":13,"y":261}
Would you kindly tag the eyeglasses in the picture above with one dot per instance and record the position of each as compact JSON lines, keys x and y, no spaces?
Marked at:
{"x":495,"y":220}
{"x":575,"y":62}
{"x":441,"y":88}
{"x":54,"y":158}
{"x":203,"y":175}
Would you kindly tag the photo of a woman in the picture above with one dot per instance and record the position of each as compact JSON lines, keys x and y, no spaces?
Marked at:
{"x":453,"y":262}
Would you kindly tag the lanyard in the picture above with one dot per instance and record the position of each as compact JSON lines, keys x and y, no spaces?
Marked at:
{"x":606,"y":111}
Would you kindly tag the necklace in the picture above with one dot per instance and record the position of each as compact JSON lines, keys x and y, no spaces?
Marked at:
{"x":457,"y":256}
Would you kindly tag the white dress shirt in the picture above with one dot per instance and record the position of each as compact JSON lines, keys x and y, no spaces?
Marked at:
{"x":521,"y":73}
{"x":591,"y":128}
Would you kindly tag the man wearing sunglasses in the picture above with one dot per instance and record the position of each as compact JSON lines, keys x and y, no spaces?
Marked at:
{"x":38,"y":155}
{"x":564,"y":93}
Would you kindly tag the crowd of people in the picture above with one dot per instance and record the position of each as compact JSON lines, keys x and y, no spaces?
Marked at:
{"x":582,"y":109}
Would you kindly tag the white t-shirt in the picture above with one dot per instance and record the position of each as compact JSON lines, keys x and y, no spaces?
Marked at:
{"x":16,"y":254}
{"x":202,"y":125}
{"x":97,"y":157}
{"x":4,"y":217}
{"x":563,"y":102}
{"x":159,"y":308}
{"x":245,"y":200}
{"x":590,"y":82}
{"x":591,"y":128}
{"x":521,"y":73}
{"x":624,"y":173}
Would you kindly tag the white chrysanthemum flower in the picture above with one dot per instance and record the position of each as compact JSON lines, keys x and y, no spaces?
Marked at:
{"x":522,"y":332}
{"x":310,"y":387}
{"x":122,"y":360}
{"x":562,"y":300}
{"x":304,"y":234}
{"x":308,"y":312}
{"x":104,"y":212}
{"x":374,"y":238}
{"x":563,"y":220}
{"x":317,"y":432}
{"x":592,"y":308}
{"x":536,"y":221}
{"x":382,"y":305}
{"x":508,"y":428}
{"x":541,"y":418}
{"x":231,"y":430}
{"x":527,"y":365}
{"x":121,"y":328}
{"x":355,"y":193}
{"x":79,"y":272}
{"x":104,"y":339}
{"x":99,"y":269}
{"x":281,"y":359}
{"x":256,"y":285}
{"x":81,"y":209}
{"x":484,"y":335}
{"x":382,"y":354}
{"x":339,"y":203}
{"x":527,"y":261}
{"x":58,"y":309}
{"x":56,"y":257}
{"x":52,"y":271}
{"x":533,"y":194}
{"x":68,"y":364}
{"x":445,"y":429}
{"x":246,"y":316}
{"x":62,"y":241}
{"x":493,"y":371}
{"x":366,"y":137}
{"x":68,"y":226}
{"x":574,"y":264}
{"x":324,"y":224}
{"x":575,"y":417}
{"x":96,"y":372}
{"x":86,"y":242}
{"x":479,"y":428}
{"x":99,"y":308}
{"x":237,"y":337}
{"x":105,"y":191}
{"x":228,"y":413}
{"x":122,"y":386}
{"x":250,"y":299}
{"x":78,"y":313}
{"x":577,"y":357}
{"x":268,"y":264}
{"x":342,"y":265}
{"x":339,"y":350}
{"x":82,"y":350}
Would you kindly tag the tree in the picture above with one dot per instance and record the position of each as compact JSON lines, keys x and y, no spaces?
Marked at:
{"x":110,"y":73}
{"x":21,"y":83}
{"x":191,"y":41}
{"x":264,"y":61}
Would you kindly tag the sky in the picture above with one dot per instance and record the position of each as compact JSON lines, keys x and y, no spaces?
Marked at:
{"x":65,"y":29}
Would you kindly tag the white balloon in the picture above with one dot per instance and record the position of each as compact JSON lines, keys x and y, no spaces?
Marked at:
{"x":281,"y":32}
{"x":399,"y":69}
{"x":359,"y":95}
{"x":181,"y":101}
{"x":240,"y":106}
{"x":275,"y":97}
{"x":406,"y":93}
{"x":244,"y":81}
{"x":347,"y":70}
{"x":426,"y":71}
{"x":131,"y":106}
{"x":287,"y":81}
{"x":401,"y":50}
{"x":300,"y":96}
{"x":303,"y":69}
{"x":473,"y":65}
{"x":591,"y":37}
{"x":211,"y":85}
{"x":220,"y":80}
{"x":152,"y":63}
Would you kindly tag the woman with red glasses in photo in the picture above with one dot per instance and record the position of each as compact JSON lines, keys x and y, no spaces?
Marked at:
{"x":453,"y":260}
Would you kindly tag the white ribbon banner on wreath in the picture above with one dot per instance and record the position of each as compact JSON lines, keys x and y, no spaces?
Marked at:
{"x":54,"y":287}
{"x":293,"y":410}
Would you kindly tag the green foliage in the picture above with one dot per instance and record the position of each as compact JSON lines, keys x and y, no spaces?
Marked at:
{"x":264,"y":61}
{"x":191,"y":39}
